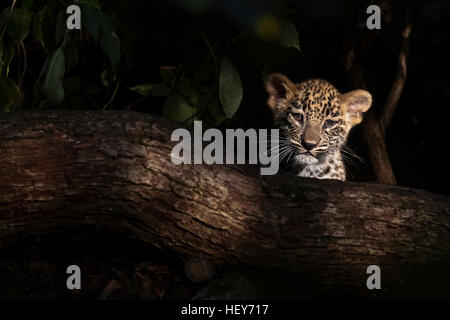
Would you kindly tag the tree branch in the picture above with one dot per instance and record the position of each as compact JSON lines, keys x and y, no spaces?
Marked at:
{"x":374,"y":128}
{"x":400,"y":77}
{"x":373,"y":133}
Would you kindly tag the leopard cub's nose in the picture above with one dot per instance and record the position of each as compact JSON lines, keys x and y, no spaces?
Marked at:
{"x":308,"y":145}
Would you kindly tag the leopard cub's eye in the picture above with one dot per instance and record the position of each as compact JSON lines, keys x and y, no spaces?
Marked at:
{"x":298,"y":117}
{"x":329,"y":124}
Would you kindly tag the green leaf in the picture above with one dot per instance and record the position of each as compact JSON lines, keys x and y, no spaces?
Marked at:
{"x":43,"y":69}
{"x":216,"y":112}
{"x":230,"y":88}
{"x":10,"y":94}
{"x":151,"y":89}
{"x":44,"y":26}
{"x":90,"y":21}
{"x":176,"y":108}
{"x":288,"y":35}
{"x":19,"y":23}
{"x":186,"y":88}
{"x":61,"y":27}
{"x":53,"y":85}
{"x":198,"y":97}
{"x":7,"y":56}
{"x":101,"y":29}
{"x":108,"y":77}
{"x":167,"y":73}
{"x":37,"y":25}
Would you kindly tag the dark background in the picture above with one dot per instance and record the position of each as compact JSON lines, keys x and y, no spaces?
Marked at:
{"x":185,"y":38}
{"x":176,"y":33}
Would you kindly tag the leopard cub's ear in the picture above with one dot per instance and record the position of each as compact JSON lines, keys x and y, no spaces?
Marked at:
{"x":279,"y":88}
{"x":355,"y":103}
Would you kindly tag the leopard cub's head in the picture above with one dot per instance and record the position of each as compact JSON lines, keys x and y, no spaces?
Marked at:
{"x":314,"y":118}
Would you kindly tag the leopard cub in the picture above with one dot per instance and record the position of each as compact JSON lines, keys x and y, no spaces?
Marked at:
{"x":314,"y":119}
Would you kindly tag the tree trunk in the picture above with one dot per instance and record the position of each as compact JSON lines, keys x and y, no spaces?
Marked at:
{"x":64,"y":170}
{"x":372,"y":130}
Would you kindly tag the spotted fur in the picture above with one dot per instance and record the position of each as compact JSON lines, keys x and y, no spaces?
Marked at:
{"x":314,"y":119}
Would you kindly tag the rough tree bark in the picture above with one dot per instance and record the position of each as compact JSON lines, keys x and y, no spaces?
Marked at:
{"x":63,"y":170}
